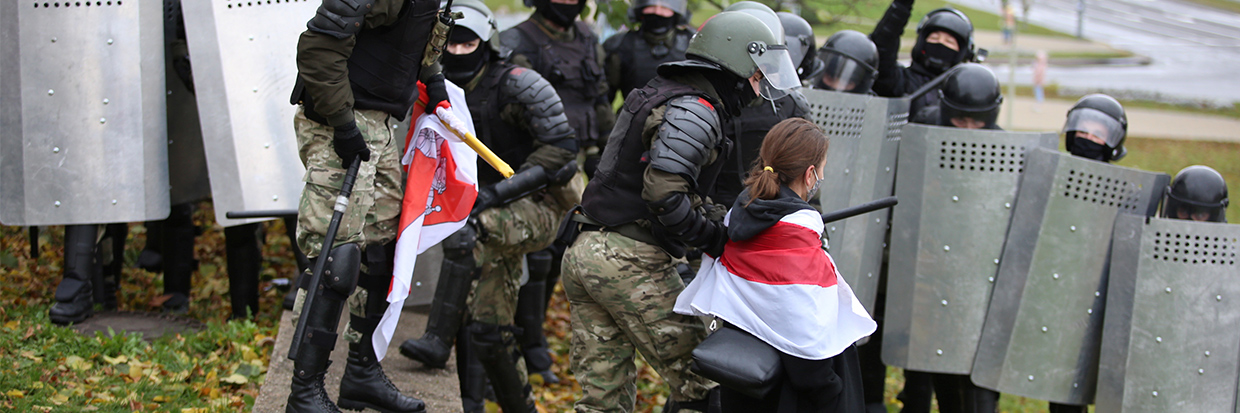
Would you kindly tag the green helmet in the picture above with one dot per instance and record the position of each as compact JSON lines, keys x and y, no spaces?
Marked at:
{"x":741,"y":44}
{"x":763,"y":13}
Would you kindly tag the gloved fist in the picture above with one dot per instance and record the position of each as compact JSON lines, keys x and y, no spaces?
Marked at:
{"x":486,"y":199}
{"x":348,"y":143}
{"x":436,"y":93}
{"x":908,"y":3}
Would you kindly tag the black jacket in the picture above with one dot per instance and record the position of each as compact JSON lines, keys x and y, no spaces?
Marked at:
{"x":893,"y":79}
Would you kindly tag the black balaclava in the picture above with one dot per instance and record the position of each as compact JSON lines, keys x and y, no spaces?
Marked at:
{"x":1086,"y":148}
{"x":657,"y":24}
{"x":562,"y":15}
{"x":939,"y":58}
{"x":734,"y":91}
{"x":460,"y":69}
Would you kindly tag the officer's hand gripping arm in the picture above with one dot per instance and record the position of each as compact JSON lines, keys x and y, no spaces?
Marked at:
{"x":689,"y":225}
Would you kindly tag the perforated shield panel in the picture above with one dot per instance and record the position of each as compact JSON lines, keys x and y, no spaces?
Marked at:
{"x":956,"y":189}
{"x":1172,"y":319}
{"x":1043,"y":328}
{"x":244,"y":59}
{"x":865,"y":135}
{"x":82,"y":129}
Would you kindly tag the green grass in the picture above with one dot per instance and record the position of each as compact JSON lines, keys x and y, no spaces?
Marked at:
{"x":1053,"y":92}
{"x":1169,"y":156}
{"x":1227,"y":5}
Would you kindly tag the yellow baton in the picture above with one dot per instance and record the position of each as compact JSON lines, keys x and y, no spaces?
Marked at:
{"x":454,"y":124}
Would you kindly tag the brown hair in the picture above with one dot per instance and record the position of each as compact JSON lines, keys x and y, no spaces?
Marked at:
{"x":788,"y":148}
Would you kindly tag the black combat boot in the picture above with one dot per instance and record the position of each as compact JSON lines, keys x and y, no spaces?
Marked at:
{"x":315,"y":349}
{"x":448,"y":305}
{"x":245,"y":260}
{"x":494,"y":348}
{"x":75,"y":294}
{"x":364,"y":384}
{"x":152,"y":256}
{"x":531,"y":314}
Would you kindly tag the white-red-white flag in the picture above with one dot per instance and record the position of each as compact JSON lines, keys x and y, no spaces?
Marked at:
{"x":439,"y":192}
{"x":783,"y":288}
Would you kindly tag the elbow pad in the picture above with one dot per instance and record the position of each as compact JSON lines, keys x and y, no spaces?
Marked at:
{"x":688,"y":225}
{"x":683,"y":143}
{"x":543,"y":108}
{"x":340,"y":18}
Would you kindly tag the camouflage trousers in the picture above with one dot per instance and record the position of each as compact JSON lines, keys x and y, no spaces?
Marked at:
{"x":621,"y":293}
{"x":374,"y":206}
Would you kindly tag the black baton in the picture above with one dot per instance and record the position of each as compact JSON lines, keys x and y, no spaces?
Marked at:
{"x":855,"y":210}
{"x":316,"y":275}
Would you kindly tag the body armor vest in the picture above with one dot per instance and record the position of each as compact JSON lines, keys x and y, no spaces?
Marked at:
{"x":485,"y":101}
{"x":572,"y":68}
{"x":614,"y":196}
{"x":747,"y":131}
{"x":386,"y":61}
{"x":639,"y":59}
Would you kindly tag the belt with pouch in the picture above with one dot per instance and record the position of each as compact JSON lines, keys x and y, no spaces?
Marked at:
{"x":631,"y":230}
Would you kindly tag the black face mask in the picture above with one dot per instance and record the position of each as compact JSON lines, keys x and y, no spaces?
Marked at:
{"x":460,"y":69}
{"x":562,"y":15}
{"x":657,"y":24}
{"x":734,"y":91}
{"x":938,"y":57}
{"x":1086,"y":148}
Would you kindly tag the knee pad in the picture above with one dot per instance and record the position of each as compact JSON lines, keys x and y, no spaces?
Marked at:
{"x":343,"y":265}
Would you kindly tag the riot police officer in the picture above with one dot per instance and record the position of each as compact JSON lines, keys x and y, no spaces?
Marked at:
{"x":799,"y":36}
{"x":350,"y":97}
{"x":849,"y":63}
{"x":970,"y":98}
{"x":662,"y":35}
{"x":944,"y":39}
{"x":519,"y":116}
{"x":644,"y":207}
{"x":1096,"y":128}
{"x":1197,"y":193}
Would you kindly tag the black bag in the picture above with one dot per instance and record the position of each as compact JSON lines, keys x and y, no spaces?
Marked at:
{"x":738,"y":361}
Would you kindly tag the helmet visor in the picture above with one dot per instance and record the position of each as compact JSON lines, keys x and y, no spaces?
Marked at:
{"x":779,"y":75}
{"x":1096,"y":123}
{"x":1176,"y":208}
{"x":845,"y":74}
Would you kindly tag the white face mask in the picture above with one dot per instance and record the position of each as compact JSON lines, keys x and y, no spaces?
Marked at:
{"x":813,"y":191}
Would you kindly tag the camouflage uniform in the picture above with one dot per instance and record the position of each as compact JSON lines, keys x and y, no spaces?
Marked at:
{"x":622,"y":292}
{"x":374,"y":207}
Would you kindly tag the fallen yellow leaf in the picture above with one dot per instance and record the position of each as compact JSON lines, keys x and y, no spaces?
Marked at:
{"x":116,"y":360}
{"x":12,"y":325}
{"x":235,"y":379}
{"x":30,"y":355}
{"x":16,"y":394}
{"x":135,"y":371}
{"x":59,"y":399}
{"x":160,"y":399}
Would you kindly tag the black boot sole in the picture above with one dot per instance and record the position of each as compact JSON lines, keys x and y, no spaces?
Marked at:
{"x":354,"y":405}
{"x":74,"y":319}
{"x":418,"y":357}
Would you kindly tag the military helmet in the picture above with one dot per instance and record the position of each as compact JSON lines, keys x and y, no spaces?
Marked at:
{"x":679,"y":7}
{"x":970,"y":91}
{"x":1102,"y":116}
{"x":799,"y":37}
{"x":953,"y":22}
{"x":742,"y":44}
{"x":1199,"y":193}
{"x":763,"y":13}
{"x":477,"y":17}
{"x":850,"y":61}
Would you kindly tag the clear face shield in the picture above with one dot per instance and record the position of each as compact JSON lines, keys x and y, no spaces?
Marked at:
{"x":779,"y":75}
{"x":845,"y":74}
{"x":1096,"y":123}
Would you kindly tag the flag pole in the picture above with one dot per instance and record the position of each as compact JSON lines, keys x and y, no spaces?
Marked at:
{"x":450,"y":121}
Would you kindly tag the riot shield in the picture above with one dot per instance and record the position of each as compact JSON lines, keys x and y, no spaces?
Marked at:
{"x":244,"y":61}
{"x":864,"y":134}
{"x":1172,"y":326}
{"x":956,"y":190}
{"x":1043,"y":328}
{"x":188,"y":179}
{"x":82,"y":123}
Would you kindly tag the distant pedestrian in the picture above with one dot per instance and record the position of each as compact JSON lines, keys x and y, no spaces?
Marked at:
{"x":1039,"y":78}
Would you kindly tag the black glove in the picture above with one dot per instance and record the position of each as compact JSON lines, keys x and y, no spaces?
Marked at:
{"x":684,"y":223}
{"x":486,"y":199}
{"x":906,"y":3}
{"x":348,"y":143}
{"x":436,"y":92}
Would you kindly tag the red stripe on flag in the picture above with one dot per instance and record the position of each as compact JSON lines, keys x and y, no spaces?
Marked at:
{"x":784,"y":254}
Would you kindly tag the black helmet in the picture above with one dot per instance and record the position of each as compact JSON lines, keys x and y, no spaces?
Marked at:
{"x":679,"y":7}
{"x":953,"y":22}
{"x":801,"y":44}
{"x":1198,"y":193}
{"x":970,"y":91}
{"x":1101,"y":116}
{"x":850,"y":59}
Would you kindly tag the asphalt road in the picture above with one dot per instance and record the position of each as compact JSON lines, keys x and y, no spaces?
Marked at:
{"x":1195,"y":49}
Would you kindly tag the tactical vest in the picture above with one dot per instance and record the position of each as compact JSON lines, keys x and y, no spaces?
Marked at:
{"x":747,"y":132}
{"x":572,"y":68}
{"x":386,"y":61}
{"x":614,"y":196}
{"x":485,"y":102}
{"x":638,"y":59}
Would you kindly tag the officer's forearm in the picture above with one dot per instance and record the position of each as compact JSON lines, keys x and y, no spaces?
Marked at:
{"x":322,"y":63}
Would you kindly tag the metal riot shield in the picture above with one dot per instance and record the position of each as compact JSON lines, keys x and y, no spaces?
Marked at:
{"x":956,"y":189}
{"x":82,"y":126}
{"x":244,"y":64}
{"x":188,"y":179}
{"x":1043,"y":328}
{"x":864,"y":134}
{"x":1172,"y":328}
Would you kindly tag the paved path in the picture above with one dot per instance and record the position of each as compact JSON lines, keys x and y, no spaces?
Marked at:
{"x":437,"y":387}
{"x":1142,"y":123}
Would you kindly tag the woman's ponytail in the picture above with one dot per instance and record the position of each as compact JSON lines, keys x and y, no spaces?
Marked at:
{"x":788,"y":148}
